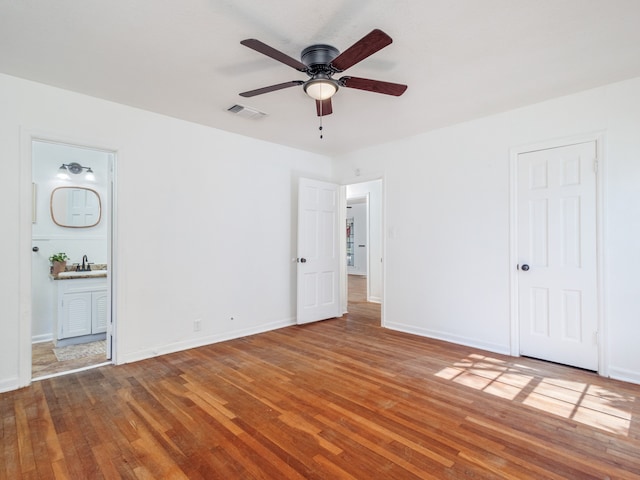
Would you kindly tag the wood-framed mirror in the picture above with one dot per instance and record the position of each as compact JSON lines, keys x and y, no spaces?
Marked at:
{"x":75,"y":207}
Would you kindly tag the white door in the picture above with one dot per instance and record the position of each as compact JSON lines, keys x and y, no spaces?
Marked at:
{"x":109,"y":210}
{"x":82,"y":207}
{"x":318,"y":251}
{"x":557,"y":276}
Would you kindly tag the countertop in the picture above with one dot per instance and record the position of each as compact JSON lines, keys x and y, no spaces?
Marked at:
{"x":97,"y":271}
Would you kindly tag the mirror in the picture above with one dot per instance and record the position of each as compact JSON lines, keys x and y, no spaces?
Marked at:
{"x":75,"y":207}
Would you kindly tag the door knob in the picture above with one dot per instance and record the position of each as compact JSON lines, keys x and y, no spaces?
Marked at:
{"x":35,"y":249}
{"x":525,"y":267}
{"x":303,"y":260}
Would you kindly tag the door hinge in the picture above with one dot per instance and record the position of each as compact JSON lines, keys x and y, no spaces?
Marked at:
{"x":595,"y":337}
{"x":595,"y":165}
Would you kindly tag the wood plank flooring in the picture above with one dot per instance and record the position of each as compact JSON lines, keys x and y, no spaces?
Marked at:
{"x":338,"y":399}
{"x":358,"y":305}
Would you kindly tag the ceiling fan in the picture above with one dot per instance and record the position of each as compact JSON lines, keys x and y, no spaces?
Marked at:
{"x":320,"y":62}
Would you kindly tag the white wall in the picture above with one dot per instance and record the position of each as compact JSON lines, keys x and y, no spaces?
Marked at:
{"x":193,"y":200}
{"x":447,"y":209}
{"x":205,"y":225}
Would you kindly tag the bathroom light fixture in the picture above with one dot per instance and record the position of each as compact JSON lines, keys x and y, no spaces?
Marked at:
{"x":76,"y":169}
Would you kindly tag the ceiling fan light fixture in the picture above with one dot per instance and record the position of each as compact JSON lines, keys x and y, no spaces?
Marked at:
{"x":321,"y":88}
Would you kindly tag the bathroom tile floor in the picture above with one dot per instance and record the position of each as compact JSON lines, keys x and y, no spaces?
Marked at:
{"x":45,"y":362}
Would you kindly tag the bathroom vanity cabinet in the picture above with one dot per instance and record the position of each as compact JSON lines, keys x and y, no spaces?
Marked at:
{"x":81,"y":308}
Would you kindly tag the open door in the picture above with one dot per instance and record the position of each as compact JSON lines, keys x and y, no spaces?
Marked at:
{"x":318,"y":251}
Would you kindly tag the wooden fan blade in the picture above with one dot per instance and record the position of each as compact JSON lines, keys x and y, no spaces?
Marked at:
{"x":265,"y":49}
{"x":367,"y":45}
{"x":375,"y":86}
{"x":323,"y":107}
{"x":272,"y":88}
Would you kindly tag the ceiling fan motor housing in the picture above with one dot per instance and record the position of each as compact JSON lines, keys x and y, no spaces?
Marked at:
{"x":318,"y":57}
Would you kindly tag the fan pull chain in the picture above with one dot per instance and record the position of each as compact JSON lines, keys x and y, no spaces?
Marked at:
{"x":320,"y":128}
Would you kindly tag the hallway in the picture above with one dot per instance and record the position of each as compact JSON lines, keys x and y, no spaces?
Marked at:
{"x":359,"y":308}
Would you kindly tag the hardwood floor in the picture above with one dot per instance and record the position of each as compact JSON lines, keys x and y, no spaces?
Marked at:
{"x":359,"y":308}
{"x":338,"y":399}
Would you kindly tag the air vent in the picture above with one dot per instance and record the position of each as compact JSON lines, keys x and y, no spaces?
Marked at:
{"x":246,"y":112}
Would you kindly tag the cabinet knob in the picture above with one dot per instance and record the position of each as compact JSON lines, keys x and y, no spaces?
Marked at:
{"x":36,"y":249}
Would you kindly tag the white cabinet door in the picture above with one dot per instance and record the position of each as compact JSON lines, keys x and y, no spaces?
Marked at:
{"x":82,"y":307}
{"x":76,"y":315}
{"x":99,"y":311}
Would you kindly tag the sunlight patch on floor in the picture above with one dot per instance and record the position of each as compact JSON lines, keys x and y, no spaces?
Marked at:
{"x":590,"y":405}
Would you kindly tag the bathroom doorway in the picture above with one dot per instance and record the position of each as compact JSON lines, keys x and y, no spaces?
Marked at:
{"x":72,"y":192}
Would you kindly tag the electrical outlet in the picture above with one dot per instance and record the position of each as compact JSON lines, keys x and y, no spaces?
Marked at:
{"x":197,"y":325}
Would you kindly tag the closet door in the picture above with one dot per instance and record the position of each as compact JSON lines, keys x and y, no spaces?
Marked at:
{"x":557,"y":278}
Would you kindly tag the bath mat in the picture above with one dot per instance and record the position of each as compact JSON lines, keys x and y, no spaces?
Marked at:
{"x":81,"y":350}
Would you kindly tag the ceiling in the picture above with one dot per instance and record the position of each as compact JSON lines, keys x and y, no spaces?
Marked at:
{"x":462,"y":59}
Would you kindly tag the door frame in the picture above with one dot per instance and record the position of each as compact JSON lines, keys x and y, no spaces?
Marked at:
{"x":27,"y":137}
{"x":514,"y":152}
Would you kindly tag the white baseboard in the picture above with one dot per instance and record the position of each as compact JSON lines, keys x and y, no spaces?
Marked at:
{"x":9,"y":384}
{"x":447,"y":337}
{"x":624,"y":375}
{"x":615,"y":373}
{"x":46,"y":337}
{"x":201,"y":341}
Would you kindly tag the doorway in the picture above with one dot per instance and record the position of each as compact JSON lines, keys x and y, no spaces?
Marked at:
{"x":556,"y":253}
{"x":364,"y":247}
{"x":358,"y":236}
{"x":72,"y":212}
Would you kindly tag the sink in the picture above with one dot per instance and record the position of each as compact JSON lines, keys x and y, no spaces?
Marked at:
{"x":91,"y":273}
